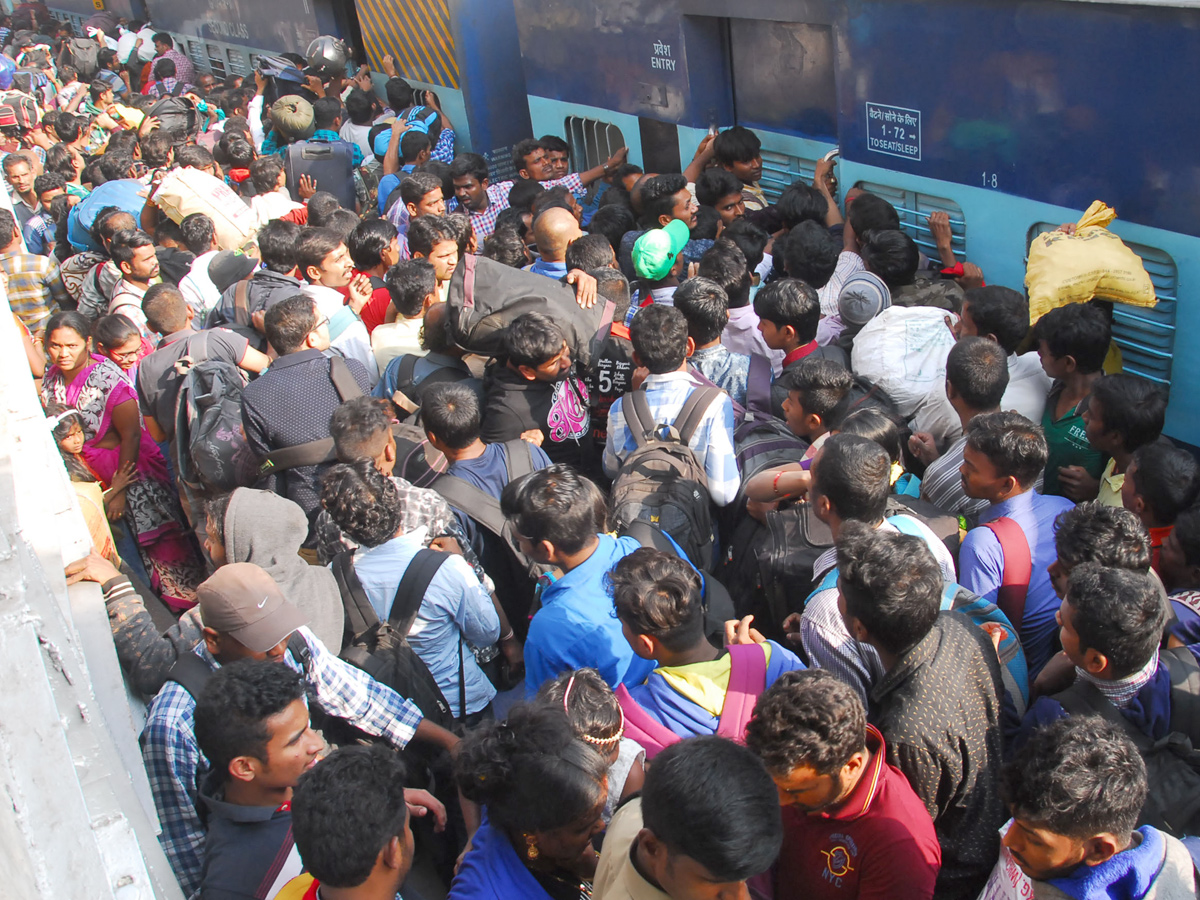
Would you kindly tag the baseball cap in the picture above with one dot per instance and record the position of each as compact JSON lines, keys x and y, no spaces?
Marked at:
{"x":244,"y":602}
{"x":655,"y":251}
{"x":863,"y":297}
{"x":229,"y":267}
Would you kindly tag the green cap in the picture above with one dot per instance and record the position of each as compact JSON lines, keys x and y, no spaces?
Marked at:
{"x":655,"y":251}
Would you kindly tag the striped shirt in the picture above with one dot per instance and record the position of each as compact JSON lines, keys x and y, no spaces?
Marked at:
{"x":484,"y":222}
{"x":35,"y":287}
{"x":942,"y":484}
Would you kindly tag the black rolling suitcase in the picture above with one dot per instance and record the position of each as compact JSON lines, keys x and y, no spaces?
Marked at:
{"x":331,"y":165}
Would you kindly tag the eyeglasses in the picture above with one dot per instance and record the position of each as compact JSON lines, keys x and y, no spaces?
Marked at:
{"x":321,"y":324}
{"x":127,"y":355}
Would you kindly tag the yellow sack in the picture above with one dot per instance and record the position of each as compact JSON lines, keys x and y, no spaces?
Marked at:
{"x":186,"y":190}
{"x":1092,"y":262}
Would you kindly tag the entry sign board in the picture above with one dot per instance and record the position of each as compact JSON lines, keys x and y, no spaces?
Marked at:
{"x":894,"y":131}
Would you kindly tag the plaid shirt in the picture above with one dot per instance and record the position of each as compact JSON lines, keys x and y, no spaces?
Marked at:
{"x":443,"y":150}
{"x":328,"y":136}
{"x":184,"y":70}
{"x":39,"y":234}
{"x":176,"y":766}
{"x":35,"y":287}
{"x":484,"y":223}
{"x":712,"y":442}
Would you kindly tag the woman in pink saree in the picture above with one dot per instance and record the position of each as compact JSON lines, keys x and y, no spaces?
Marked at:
{"x":114,"y":436}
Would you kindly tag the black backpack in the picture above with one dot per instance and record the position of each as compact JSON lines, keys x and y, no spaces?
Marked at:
{"x":81,"y":53}
{"x":407,"y":395}
{"x":661,"y":481}
{"x":1172,"y":763}
{"x":176,"y":114}
{"x":381,"y":648}
{"x":211,"y":455}
{"x":485,"y":296}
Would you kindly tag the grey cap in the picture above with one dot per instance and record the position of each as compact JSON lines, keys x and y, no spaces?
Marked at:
{"x":863,"y":297}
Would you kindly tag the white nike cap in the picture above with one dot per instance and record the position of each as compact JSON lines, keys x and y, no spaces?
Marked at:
{"x":244,"y":602}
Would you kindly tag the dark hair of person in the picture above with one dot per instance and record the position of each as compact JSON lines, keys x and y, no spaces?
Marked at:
{"x":412,"y":145}
{"x":277,"y":242}
{"x":552,"y":143}
{"x":164,"y":68}
{"x":659,"y":336}
{"x":892,"y":255}
{"x":314,"y":246}
{"x":1166,"y":478}
{"x":703,"y":305}
{"x":215,"y":509}
{"x":1014,"y":445}
{"x":658,"y":198}
{"x":362,"y":501}
{"x":506,"y":247}
{"x":708,"y":221}
{"x":715,"y":184}
{"x":790,"y":301}
{"x":853,"y":474}
{"x":114,"y":330}
{"x":450,"y":412}
{"x":522,"y":194}
{"x":515,"y":220}
{"x":532,"y":339}
{"x":167,"y":231}
{"x":193,"y":155}
{"x":359,"y":428}
{"x":321,"y":207}
{"x":1109,"y":535}
{"x":409,"y":282}
{"x":591,"y":706}
{"x":125,"y":242}
{"x":556,"y":197}
{"x":238,"y":150}
{"x":198,"y":233}
{"x":531,"y":771}
{"x":736,"y":145}
{"x":232,"y":711}
{"x":999,"y":311}
{"x":460,"y":226}
{"x":592,"y":251}
{"x":801,"y":202}
{"x":870,"y":212}
{"x":165,"y":309}
{"x":289,"y":322}
{"x":613,"y":222}
{"x":427,"y":232}
{"x":890,"y":583}
{"x":810,"y":253}
{"x":824,"y":389}
{"x":326,"y":111}
{"x":399,"y":94}
{"x":469,"y":164}
{"x":264,"y":173}
{"x":108,"y":222}
{"x":977,"y":369}
{"x":524,"y":149}
{"x":1079,"y":330}
{"x":1079,"y":777}
{"x":342,"y":222}
{"x":1187,"y":532}
{"x":414,"y":187}
{"x":346,"y":810}
{"x":659,"y":595}
{"x":1117,"y":612}
{"x":163,"y":38}
{"x":1131,"y":407}
{"x":359,"y":106}
{"x":49,"y":181}
{"x":112,"y":165}
{"x":554,"y":504}
{"x":810,"y":718}
{"x":876,"y":425}
{"x":712,"y":801}
{"x":725,"y":263}
{"x":368,"y":242}
{"x":613,"y":286}
{"x":68,"y":126}
{"x":156,"y":149}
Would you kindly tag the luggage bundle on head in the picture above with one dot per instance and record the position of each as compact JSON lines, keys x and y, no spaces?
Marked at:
{"x":903,"y":352}
{"x":485,"y":296}
{"x":211,"y":452}
{"x":176,"y":114}
{"x":186,"y":190}
{"x":661,"y":481}
{"x":83,"y":54}
{"x":329,"y":164}
{"x":127,"y":194}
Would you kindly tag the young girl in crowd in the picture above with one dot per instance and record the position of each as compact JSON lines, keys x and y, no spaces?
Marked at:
{"x":596,"y":717}
{"x":118,"y":339}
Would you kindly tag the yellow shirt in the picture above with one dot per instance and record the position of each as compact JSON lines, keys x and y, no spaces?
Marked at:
{"x":1110,"y":485}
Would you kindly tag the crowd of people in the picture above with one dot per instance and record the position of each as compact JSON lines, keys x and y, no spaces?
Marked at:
{"x":682,"y":607}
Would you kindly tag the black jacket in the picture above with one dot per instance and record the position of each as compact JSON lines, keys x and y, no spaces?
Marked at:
{"x":939,"y":711}
{"x":513,"y":405}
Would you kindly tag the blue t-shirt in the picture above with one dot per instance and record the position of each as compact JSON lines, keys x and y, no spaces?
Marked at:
{"x":577,"y":625}
{"x":489,"y":473}
{"x":387,"y":184}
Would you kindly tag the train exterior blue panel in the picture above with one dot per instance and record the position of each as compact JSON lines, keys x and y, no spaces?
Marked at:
{"x":1064,"y":103}
{"x":270,"y":26}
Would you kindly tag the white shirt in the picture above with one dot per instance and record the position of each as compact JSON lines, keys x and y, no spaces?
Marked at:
{"x":197,"y":288}
{"x":357,"y":134}
{"x":271,"y":205}
{"x":348,"y":335}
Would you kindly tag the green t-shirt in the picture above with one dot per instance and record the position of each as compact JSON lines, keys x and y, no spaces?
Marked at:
{"x":1068,"y":443}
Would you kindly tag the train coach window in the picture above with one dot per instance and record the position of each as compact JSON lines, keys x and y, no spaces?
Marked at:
{"x":1146,"y":336}
{"x":237,"y":62}
{"x":592,"y":141}
{"x":216,"y":60}
{"x":195,"y":52}
{"x":780,"y":170}
{"x":915,"y":209}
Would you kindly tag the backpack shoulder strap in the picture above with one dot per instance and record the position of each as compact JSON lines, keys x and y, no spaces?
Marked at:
{"x":177,"y":91}
{"x":191,"y":673}
{"x":520,"y":459}
{"x":343,"y":379}
{"x":651,"y":536}
{"x":638,"y":416}
{"x":1185,"y":691}
{"x":693,"y":411}
{"x":241,"y":302}
{"x":359,"y":614}
{"x":310,"y":453}
{"x":758,"y":386}
{"x":300,"y":652}
{"x":642,"y":727}
{"x":476,"y":503}
{"x":1084,"y":699}
{"x":411,"y":590}
{"x":747,"y":679}
{"x":1018,"y":569}
{"x":405,"y":371}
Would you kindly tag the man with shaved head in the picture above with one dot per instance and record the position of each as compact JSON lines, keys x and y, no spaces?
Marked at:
{"x":554,"y":230}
